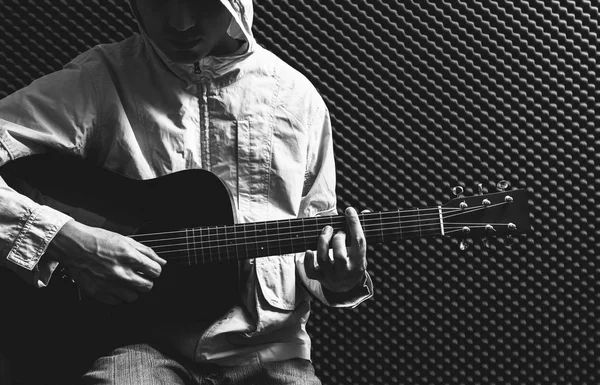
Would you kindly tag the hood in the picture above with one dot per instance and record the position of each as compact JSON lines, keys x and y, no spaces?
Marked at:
{"x":240,"y":28}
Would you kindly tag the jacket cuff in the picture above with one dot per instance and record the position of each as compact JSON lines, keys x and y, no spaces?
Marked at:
{"x":39,"y":229}
{"x":351,"y":298}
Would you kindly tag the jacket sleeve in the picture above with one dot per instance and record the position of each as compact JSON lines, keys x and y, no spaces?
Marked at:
{"x":55,"y":113}
{"x":319,"y":198}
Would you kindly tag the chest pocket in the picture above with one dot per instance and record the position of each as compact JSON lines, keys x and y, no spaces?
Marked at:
{"x":276,"y":275}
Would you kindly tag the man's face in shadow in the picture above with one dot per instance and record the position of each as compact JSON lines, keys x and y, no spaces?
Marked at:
{"x":186,"y":30}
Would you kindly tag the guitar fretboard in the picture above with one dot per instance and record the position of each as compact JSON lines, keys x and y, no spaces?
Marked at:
{"x":260,"y":239}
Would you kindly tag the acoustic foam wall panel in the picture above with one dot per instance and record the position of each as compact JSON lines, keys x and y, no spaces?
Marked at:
{"x":424,"y":96}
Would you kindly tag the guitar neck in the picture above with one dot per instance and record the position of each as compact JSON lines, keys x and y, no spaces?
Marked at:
{"x":261,"y":239}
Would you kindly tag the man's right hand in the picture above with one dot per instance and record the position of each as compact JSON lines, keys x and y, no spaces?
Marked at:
{"x":107,"y":266}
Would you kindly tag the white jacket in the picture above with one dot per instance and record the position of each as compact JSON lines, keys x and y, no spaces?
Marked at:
{"x":249,"y":118}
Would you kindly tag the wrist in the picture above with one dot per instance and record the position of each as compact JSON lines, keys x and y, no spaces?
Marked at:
{"x":58,"y":247}
{"x":335,"y":296}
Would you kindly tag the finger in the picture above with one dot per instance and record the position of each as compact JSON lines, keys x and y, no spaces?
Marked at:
{"x":145,"y":265}
{"x":147,"y":251}
{"x":358,"y":244}
{"x":340,"y":252}
{"x":323,"y":258}
{"x":140,"y":283}
{"x":131,"y":279}
{"x":312,"y":270}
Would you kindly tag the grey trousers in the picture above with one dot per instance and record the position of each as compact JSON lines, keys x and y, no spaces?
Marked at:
{"x":142,"y":364}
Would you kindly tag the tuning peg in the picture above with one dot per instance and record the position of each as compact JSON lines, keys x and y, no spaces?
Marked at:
{"x":503,"y":185}
{"x":509,"y":241}
{"x":479,"y":188}
{"x":458,"y":191}
{"x":485,"y":242}
{"x":464,"y":244}
{"x":489,"y":229}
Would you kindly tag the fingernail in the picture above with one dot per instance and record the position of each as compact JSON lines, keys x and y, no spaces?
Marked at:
{"x":327,"y":229}
{"x":351,"y":210}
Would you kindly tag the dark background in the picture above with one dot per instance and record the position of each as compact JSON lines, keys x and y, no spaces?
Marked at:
{"x":426,"y":95}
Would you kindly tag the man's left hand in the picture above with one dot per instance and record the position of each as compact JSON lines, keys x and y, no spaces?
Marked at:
{"x":341,"y":268}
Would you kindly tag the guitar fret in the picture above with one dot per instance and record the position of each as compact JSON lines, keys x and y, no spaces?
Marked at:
{"x":247,"y":255}
{"x":271,"y":237}
{"x":187,"y":245}
{"x":210,"y":244}
{"x":279,"y":238}
{"x":194,"y":245}
{"x":235,"y":243}
{"x":227,"y":243}
{"x":203,"y":249}
{"x":319,"y":225}
{"x":219,"y":246}
{"x":296,"y":238}
{"x":255,"y":237}
{"x":303,"y":238}
{"x":264,"y":243}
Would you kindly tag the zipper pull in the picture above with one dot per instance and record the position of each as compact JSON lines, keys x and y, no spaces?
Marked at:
{"x":197,"y":69}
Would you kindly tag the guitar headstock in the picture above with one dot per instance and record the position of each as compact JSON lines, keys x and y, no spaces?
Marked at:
{"x":504,"y":213}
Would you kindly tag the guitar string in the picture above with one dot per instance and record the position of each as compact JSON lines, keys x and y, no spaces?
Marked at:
{"x":225,"y":256}
{"x":254,"y":247}
{"x":298,"y":234}
{"x":209,"y":251}
{"x":366,"y":225}
{"x":214,"y":257}
{"x":312,"y":235}
{"x":435,"y":212}
{"x":219,"y":238}
{"x":300,"y":222}
{"x":249,"y":228}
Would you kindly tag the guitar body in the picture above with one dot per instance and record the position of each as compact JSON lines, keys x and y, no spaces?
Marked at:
{"x":46,"y":328}
{"x":101,"y":198}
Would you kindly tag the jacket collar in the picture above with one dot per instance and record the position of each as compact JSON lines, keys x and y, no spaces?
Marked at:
{"x":222,"y":70}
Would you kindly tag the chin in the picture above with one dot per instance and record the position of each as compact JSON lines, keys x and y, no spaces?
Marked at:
{"x":186,"y":56}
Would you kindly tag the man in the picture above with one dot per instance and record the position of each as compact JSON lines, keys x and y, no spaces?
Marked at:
{"x":193,"y":91}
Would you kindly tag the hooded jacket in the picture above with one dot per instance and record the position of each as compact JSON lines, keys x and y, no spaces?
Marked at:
{"x":249,"y":118}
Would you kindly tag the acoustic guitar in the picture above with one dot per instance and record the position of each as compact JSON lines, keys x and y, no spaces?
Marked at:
{"x":188,"y":219}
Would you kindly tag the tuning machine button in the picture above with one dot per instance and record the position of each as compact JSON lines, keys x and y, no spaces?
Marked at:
{"x":464,"y":244}
{"x":503,"y":185}
{"x":479,"y":187}
{"x":458,"y":191}
{"x":485,"y":242}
